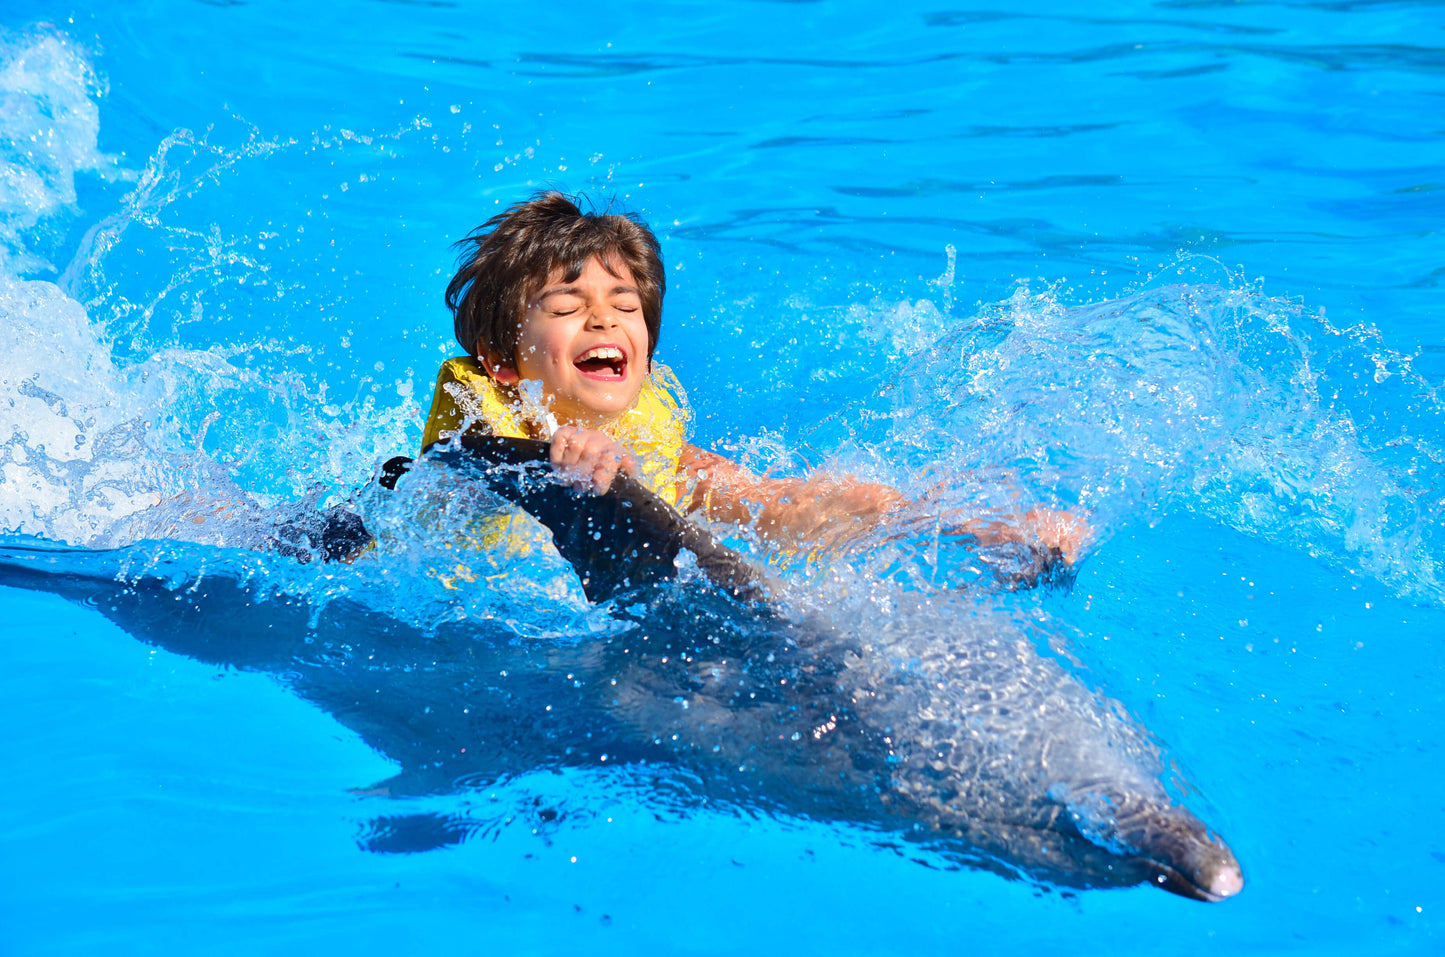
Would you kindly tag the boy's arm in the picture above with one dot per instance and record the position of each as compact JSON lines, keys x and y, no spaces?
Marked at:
{"x":826,"y":510}
{"x":819,"y":510}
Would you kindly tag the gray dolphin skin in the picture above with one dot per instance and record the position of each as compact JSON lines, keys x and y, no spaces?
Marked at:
{"x":933,"y":722}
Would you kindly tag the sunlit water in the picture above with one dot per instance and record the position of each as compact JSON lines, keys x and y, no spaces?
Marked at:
{"x":1177,"y":266}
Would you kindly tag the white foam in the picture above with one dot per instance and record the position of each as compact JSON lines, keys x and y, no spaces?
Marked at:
{"x":1221,"y":401}
{"x":51,"y":122}
{"x":69,"y":468}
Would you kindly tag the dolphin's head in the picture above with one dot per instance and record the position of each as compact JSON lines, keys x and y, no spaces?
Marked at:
{"x":1180,"y":854}
{"x":1200,"y":867}
{"x":1167,"y":845}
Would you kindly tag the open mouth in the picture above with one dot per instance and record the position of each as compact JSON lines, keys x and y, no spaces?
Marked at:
{"x":607,"y":363}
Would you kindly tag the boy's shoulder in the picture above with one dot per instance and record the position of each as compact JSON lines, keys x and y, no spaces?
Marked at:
{"x":466,"y":394}
{"x":464,"y":369}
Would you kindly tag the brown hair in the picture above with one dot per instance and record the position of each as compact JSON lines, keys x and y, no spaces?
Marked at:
{"x":510,"y":257}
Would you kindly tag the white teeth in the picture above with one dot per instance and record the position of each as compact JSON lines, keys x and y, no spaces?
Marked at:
{"x":604,"y":352}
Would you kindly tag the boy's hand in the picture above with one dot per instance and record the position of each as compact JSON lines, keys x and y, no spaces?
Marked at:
{"x":1065,"y":531}
{"x":590,"y":460}
{"x":1069,"y":532}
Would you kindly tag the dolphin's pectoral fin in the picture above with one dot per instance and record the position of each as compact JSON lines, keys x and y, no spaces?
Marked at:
{"x":418,"y":782}
{"x":430,"y":831}
{"x":413,"y":833}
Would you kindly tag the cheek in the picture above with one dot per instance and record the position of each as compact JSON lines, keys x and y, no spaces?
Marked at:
{"x":544,"y":358}
{"x":637,"y":331}
{"x":554,"y":351}
{"x":536,"y":347}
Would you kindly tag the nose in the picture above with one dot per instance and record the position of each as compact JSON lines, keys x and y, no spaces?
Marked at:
{"x":600,"y":317}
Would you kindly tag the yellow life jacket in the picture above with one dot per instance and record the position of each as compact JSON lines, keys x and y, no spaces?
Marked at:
{"x":653,"y":430}
{"x":466,"y":398}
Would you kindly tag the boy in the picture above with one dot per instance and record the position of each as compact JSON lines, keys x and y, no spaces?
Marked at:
{"x":560,"y":312}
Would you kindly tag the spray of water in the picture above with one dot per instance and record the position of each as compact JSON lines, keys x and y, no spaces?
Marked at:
{"x":1218,"y":400}
{"x":122,"y":421}
{"x":49,"y":124}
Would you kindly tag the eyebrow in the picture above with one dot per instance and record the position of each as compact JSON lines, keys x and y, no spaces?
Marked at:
{"x":575,"y":291}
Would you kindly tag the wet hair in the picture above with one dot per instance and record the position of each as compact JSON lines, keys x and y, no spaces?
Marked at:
{"x":509,"y":258}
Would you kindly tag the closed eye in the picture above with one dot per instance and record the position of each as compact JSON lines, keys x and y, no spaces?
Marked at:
{"x":563,"y":305}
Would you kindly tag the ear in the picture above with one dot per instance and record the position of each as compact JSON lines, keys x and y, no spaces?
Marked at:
{"x":504,"y":374}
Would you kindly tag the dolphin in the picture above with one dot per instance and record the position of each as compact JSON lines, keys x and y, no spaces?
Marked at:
{"x":934,"y":719}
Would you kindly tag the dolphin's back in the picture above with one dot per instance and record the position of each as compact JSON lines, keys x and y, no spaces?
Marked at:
{"x":937,"y":719}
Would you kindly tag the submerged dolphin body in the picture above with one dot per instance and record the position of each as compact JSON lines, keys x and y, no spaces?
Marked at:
{"x":976,"y":746}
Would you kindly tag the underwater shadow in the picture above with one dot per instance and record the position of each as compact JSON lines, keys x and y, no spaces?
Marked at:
{"x":976,"y":748}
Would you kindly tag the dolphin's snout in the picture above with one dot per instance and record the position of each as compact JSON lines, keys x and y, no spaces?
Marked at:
{"x":1182,"y":855}
{"x":1198,"y":866}
{"x":1228,"y":881}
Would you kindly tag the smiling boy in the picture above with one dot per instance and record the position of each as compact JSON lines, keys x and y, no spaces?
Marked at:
{"x":560,"y":312}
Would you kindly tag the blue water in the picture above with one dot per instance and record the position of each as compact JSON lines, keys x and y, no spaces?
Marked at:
{"x":1193,"y":287}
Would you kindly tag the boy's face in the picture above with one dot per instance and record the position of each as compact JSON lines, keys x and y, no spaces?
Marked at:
{"x":586,"y":342}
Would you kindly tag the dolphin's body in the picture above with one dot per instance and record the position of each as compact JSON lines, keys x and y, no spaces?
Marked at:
{"x":977,"y":745}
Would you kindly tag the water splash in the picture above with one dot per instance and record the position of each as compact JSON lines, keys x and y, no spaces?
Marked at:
{"x":200,"y":259}
{"x":49,"y":132}
{"x":1215,"y":399}
{"x":107,"y":409}
{"x":1218,"y":400}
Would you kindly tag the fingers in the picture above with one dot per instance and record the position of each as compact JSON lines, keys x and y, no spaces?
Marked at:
{"x":590,"y":460}
{"x":1066,"y":531}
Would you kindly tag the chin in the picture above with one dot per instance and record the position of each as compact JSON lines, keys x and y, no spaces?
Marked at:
{"x":609,"y":406}
{"x":592,"y":416}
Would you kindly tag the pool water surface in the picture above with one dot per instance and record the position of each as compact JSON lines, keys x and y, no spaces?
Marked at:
{"x":1176,"y":265}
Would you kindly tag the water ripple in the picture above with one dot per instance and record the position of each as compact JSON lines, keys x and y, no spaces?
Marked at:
{"x":954,"y":18}
{"x":940,"y":187}
{"x":1395,"y":57}
{"x":787,"y":141}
